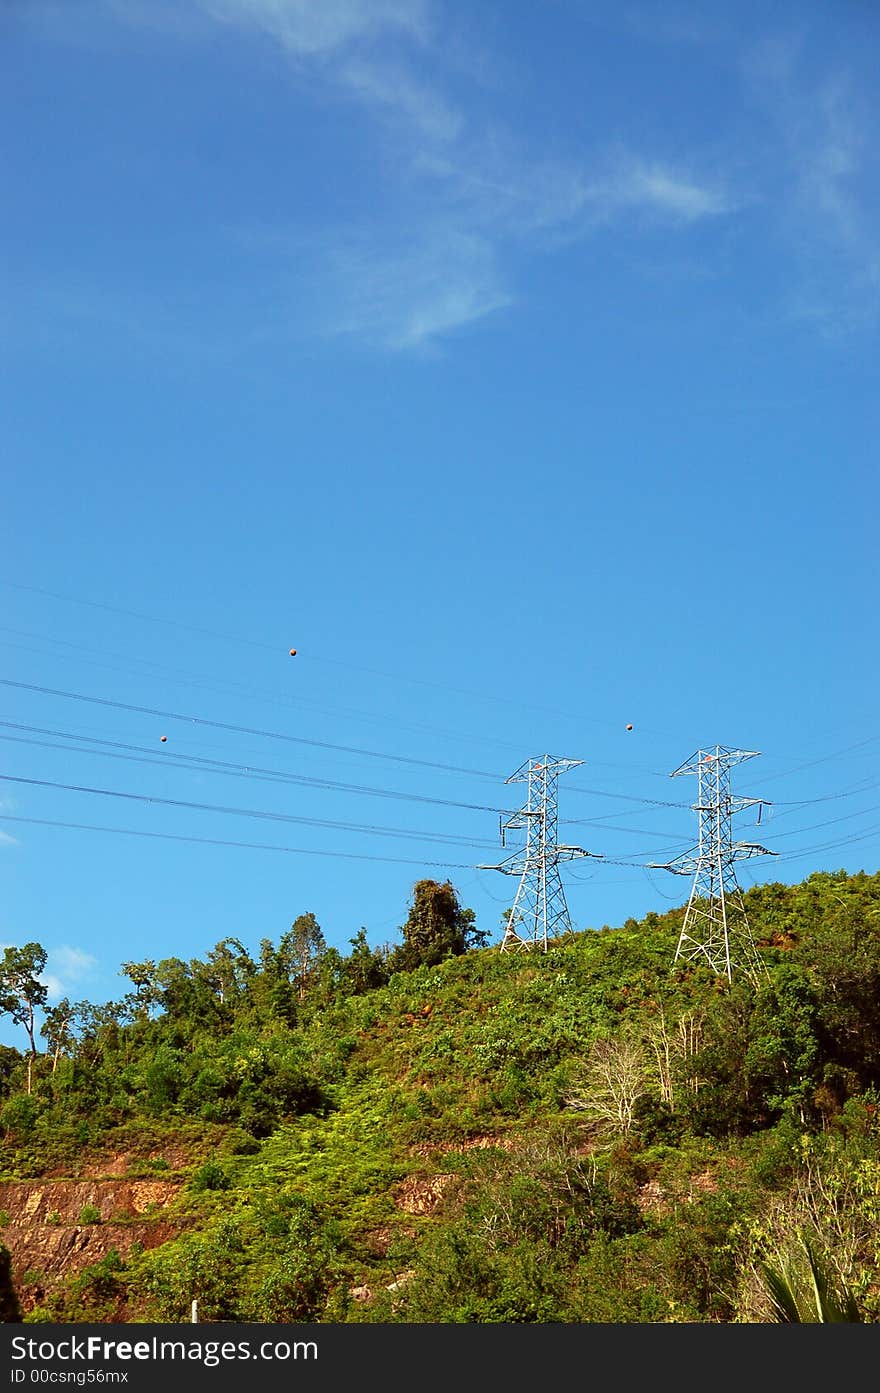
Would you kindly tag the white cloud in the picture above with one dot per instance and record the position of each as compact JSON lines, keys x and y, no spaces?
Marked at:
{"x":7,"y":840}
{"x":73,"y":962}
{"x":406,"y":298}
{"x":664,"y":191}
{"x":65,"y":968}
{"x":391,"y":87}
{"x":546,"y":201}
{"x":456,"y":200}
{"x":818,"y":133}
{"x":831,"y":164}
{"x":339,"y":40}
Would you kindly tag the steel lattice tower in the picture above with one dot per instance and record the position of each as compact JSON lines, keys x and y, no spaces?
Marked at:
{"x":716,"y":927}
{"x":539,"y":911}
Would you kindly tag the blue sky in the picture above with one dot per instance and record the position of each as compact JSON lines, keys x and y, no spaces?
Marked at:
{"x":515,"y":364}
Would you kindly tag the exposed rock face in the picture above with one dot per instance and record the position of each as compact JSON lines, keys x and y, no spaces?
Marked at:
{"x":421,"y":1194}
{"x":30,"y":1202}
{"x":486,"y":1141}
{"x":47,"y":1241}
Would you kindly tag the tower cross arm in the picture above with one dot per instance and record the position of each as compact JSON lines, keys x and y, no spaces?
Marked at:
{"x":743,"y":850}
{"x":514,"y":865}
{"x":682,"y":865}
{"x":721,"y":754}
{"x":737,"y":803}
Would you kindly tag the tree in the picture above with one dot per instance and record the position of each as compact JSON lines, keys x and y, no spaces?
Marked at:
{"x":674,"y":1045}
{"x":21,"y":991}
{"x":148,"y":993}
{"x":229,"y":968}
{"x":783,"y":1060}
{"x":58,"y":1029}
{"x":365,"y":967}
{"x":436,"y":928}
{"x":301,"y":948}
{"x":617,"y":1076}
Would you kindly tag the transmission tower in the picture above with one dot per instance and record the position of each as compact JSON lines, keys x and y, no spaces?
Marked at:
{"x":716,"y":927}
{"x":539,"y":911}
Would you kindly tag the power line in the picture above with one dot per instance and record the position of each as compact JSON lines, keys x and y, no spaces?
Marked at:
{"x":246,"y":730}
{"x":319,"y":744}
{"x":822,"y":759}
{"x":237,"y":812}
{"x":863,"y":786}
{"x":334,"y":662}
{"x":252,"y":846}
{"x":799,"y":853}
{"x":199,"y":763}
{"x":796,"y":831}
{"x":207,"y":682}
{"x":137,"y":614}
{"x":202,"y":763}
{"x":639,"y":831}
{"x":256,"y":772}
{"x":628,"y":797}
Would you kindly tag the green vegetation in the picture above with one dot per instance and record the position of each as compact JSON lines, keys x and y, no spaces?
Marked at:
{"x":437,"y":1132}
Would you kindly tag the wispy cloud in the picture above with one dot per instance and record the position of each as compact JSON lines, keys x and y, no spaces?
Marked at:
{"x":7,"y":805}
{"x":471,"y":196}
{"x":819,"y":134}
{"x":665,"y":191}
{"x":365,"y":48}
{"x":407,"y":297}
{"x":544,"y":202}
{"x":305,"y":27}
{"x":65,"y":969}
{"x":391,"y":87}
{"x":463,"y":196}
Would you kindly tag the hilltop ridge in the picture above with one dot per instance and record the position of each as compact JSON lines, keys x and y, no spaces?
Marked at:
{"x":593,"y":1134}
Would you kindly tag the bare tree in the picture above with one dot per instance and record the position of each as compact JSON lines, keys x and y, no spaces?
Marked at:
{"x":618,"y":1073}
{"x":673,"y":1045}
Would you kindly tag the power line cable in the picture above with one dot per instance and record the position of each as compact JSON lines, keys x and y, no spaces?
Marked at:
{"x":252,"y":846}
{"x":800,"y":852}
{"x":201,"y":763}
{"x":864,"y":786}
{"x":822,"y":759}
{"x":196,"y":763}
{"x":334,"y":662}
{"x":303,"y":740}
{"x":202,"y":807}
{"x":628,"y":797}
{"x":246,"y":730}
{"x":207,"y":682}
{"x":796,"y":831}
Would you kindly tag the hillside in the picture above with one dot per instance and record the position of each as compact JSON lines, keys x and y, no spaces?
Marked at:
{"x":442,"y":1132}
